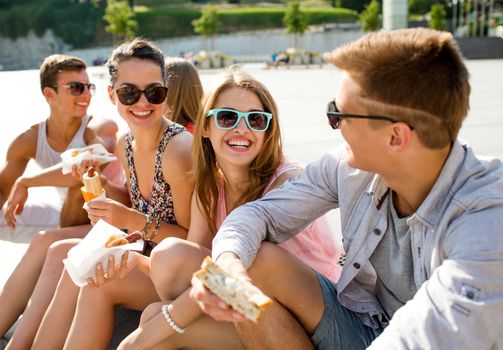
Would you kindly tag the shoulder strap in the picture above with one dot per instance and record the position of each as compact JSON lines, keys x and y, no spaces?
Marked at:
{"x":41,"y":139}
{"x":78,"y":140}
{"x":283,"y":168}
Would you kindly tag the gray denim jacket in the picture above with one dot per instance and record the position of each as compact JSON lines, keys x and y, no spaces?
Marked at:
{"x":457,"y":245}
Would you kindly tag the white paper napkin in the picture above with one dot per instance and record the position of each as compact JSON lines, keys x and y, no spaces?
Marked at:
{"x":101,"y":197}
{"x":82,"y":259}
{"x":75,"y":156}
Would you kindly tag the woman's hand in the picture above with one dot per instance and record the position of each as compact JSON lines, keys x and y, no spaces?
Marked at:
{"x":128,"y":262}
{"x":113,"y":212}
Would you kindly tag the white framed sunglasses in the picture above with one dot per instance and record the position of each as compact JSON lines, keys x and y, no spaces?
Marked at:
{"x":227,"y":119}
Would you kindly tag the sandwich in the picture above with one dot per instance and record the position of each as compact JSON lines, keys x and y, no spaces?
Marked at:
{"x":239,"y":293}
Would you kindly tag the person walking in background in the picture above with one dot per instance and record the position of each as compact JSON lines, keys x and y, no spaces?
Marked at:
{"x":421,"y":215}
{"x":155,"y":154}
{"x":238,"y":157}
{"x":185,"y":92}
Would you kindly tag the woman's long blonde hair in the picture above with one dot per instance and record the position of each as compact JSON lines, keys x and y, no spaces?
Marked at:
{"x":205,"y":167}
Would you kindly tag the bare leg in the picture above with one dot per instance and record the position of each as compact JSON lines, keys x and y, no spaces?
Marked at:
{"x":19,"y":287}
{"x":299,"y":302}
{"x":42,"y":294}
{"x":72,"y":213}
{"x":93,"y":324}
{"x":204,"y":333}
{"x":58,"y":316}
{"x":183,"y":258}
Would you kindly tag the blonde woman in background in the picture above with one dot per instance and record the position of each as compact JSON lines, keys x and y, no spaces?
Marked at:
{"x":185,"y":92}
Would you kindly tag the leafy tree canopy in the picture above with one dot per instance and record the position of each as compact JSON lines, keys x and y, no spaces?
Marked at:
{"x":437,"y":14}
{"x":208,"y":24}
{"x":120,"y":18}
{"x":370,"y":17}
{"x":295,"y":19}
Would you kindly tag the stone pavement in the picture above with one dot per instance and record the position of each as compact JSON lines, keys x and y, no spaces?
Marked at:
{"x":301,"y":95}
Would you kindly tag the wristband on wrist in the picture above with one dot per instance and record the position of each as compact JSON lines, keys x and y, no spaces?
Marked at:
{"x":170,"y":321}
{"x":156,"y":229}
{"x":146,"y":228}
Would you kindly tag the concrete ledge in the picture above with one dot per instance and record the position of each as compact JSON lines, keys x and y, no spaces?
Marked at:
{"x":126,"y":321}
{"x":481,"y":48}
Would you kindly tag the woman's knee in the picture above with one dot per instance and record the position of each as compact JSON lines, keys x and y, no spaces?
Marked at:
{"x":58,"y":251}
{"x":170,"y":252}
{"x":40,"y":243}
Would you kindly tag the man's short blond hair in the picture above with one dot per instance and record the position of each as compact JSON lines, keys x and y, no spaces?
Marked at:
{"x":413,"y":75}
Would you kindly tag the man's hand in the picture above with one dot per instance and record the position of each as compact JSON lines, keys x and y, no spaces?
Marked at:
{"x":15,"y":203}
{"x":212,"y":305}
{"x":79,"y":171}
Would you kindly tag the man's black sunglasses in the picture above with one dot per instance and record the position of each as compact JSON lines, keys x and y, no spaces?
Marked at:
{"x":77,"y":88}
{"x":129,"y":95}
{"x":335,"y":117}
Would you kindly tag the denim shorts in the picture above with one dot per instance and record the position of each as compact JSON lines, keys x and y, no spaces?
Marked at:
{"x":340,"y":328}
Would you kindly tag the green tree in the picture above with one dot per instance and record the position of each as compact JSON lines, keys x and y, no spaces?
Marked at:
{"x":437,"y":20}
{"x":369,"y":17}
{"x":295,"y":21}
{"x":207,"y":25}
{"x":120,"y":19}
{"x":421,"y":7}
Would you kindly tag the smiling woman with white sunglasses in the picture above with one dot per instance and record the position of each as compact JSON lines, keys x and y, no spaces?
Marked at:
{"x":238,"y":157}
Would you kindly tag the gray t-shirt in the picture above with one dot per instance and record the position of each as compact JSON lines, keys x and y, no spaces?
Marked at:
{"x":392,"y":261}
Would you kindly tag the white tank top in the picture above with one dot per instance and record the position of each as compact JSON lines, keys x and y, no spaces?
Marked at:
{"x":46,"y":156}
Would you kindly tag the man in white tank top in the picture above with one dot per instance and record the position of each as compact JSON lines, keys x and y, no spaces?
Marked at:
{"x":65,"y":85}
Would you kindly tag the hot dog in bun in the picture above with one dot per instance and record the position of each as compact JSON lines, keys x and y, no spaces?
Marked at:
{"x":92,"y":185}
{"x":121,"y":239}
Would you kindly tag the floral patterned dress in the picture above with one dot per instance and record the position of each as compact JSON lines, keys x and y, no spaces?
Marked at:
{"x":160,"y":203}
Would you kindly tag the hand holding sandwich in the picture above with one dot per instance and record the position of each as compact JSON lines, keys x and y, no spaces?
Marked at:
{"x":211,"y":304}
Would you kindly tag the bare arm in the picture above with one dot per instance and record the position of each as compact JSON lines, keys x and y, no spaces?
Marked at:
{"x":20,"y":151}
{"x":53,"y":175}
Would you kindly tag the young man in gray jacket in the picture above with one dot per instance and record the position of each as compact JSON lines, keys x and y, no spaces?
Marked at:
{"x":422,"y":216}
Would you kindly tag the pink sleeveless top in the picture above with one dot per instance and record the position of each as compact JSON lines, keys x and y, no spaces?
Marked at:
{"x":316,"y":245}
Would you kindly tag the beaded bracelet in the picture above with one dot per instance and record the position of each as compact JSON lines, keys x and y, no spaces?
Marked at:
{"x":170,"y":320}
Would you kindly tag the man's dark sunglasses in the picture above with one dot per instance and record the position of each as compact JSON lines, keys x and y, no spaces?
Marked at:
{"x":335,"y":117}
{"x":129,"y":95}
{"x":77,"y":88}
